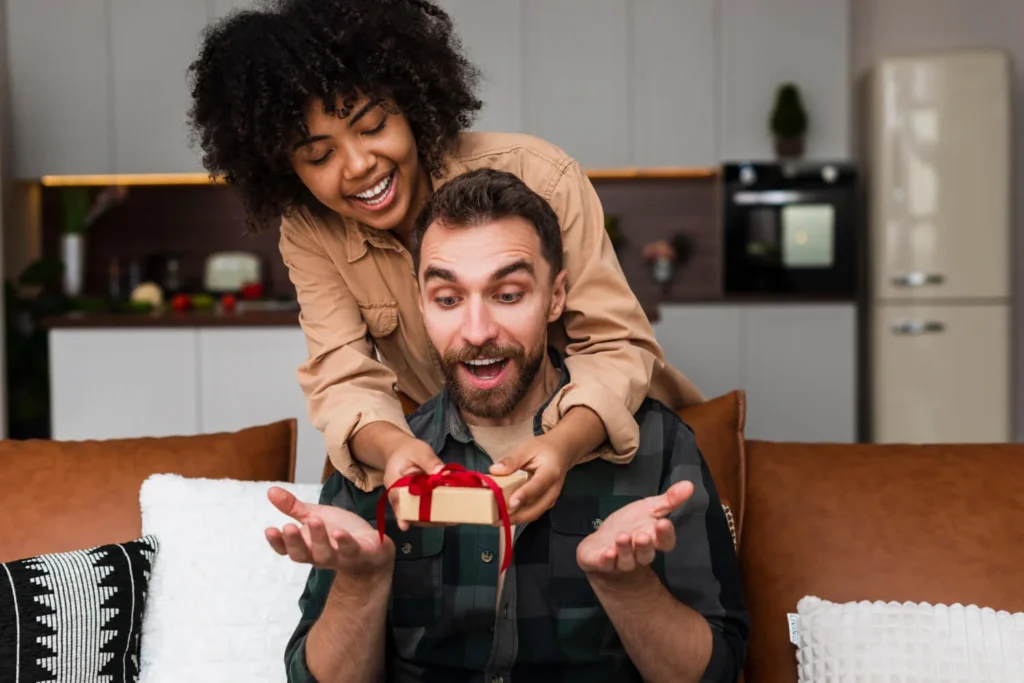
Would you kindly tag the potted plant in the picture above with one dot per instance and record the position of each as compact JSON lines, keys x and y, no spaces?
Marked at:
{"x":72,"y":242}
{"x":788,"y":122}
{"x":80,"y":212}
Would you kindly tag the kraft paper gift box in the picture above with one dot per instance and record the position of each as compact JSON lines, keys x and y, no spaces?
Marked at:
{"x":461,"y":504}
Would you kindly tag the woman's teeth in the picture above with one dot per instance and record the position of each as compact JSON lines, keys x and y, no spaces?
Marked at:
{"x":377,"y":193}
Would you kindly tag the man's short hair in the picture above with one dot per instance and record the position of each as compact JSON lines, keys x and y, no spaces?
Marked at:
{"x":484,"y":196}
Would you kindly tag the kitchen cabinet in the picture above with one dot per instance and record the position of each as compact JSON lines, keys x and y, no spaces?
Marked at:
{"x":800,"y":371}
{"x":796,"y":363}
{"x":703,"y":342}
{"x":117,"y":383}
{"x":59,"y":87}
{"x":673,"y":114}
{"x":576,"y":78}
{"x":613,"y":82}
{"x":247,"y":377}
{"x":491,"y":38}
{"x":941,"y":373}
{"x":110,"y":384}
{"x":764,"y":43}
{"x":150,"y":83}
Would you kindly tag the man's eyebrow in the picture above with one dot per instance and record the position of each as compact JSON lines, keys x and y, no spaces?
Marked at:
{"x":433,"y":272}
{"x":514,"y":267}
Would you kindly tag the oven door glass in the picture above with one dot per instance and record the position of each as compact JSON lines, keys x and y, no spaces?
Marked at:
{"x":808,"y":235}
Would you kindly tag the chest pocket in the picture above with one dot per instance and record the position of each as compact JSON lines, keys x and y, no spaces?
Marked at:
{"x":381,"y":320}
{"x":416,"y":599}
{"x":572,"y":519}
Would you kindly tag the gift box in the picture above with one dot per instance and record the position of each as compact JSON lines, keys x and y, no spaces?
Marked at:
{"x":459,"y":499}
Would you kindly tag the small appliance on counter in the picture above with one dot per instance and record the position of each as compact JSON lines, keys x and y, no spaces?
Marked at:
{"x":230,"y":271}
{"x":790,"y":228}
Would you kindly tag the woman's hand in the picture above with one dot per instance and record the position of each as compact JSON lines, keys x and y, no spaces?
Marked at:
{"x":329,"y":538}
{"x":545,"y":459}
{"x":548,"y":458}
{"x":410,"y":456}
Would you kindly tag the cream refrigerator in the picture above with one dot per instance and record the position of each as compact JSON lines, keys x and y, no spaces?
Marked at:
{"x":938,"y":146}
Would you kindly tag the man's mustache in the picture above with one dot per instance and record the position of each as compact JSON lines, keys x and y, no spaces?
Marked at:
{"x":488,"y":350}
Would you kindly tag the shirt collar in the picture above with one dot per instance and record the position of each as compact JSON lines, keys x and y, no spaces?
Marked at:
{"x":359,"y":236}
{"x":449,"y":422}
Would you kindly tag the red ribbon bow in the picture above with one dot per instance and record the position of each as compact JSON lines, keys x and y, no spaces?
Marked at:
{"x":423,"y":485}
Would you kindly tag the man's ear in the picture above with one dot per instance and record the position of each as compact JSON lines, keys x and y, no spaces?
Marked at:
{"x":558,"y":291}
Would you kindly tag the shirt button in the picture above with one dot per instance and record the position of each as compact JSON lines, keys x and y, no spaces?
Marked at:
{"x":406,"y":548}
{"x":487,"y":557}
{"x":497,"y":679}
{"x":597,"y":523}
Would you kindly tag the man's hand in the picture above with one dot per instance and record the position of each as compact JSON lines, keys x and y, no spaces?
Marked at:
{"x":412,"y":456}
{"x":329,"y":537}
{"x":547,"y":465}
{"x":631,"y":536}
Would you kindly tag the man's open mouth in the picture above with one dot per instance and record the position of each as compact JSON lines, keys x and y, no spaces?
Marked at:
{"x":485,"y":368}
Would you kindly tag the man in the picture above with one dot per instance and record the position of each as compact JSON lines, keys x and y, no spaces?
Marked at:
{"x":630,"y":576}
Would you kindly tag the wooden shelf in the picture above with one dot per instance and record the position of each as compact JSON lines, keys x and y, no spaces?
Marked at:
{"x":128,"y":179}
{"x":625,"y":173}
{"x":668,"y":172}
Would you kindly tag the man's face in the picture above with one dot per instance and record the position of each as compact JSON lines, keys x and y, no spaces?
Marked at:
{"x":487,"y":298}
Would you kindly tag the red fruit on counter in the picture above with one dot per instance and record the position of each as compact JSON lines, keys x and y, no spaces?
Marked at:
{"x":228,"y":302}
{"x":181,"y":303}
{"x":252,"y":290}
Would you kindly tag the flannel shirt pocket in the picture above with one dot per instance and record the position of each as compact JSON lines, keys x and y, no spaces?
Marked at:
{"x":416,"y":598}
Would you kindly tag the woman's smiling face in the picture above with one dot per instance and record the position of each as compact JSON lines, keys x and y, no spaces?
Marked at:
{"x":362,"y":163}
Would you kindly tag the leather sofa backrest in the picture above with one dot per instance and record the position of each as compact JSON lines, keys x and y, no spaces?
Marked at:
{"x":936,"y":524}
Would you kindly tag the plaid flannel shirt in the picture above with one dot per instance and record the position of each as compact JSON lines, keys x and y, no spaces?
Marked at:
{"x":549,"y":626}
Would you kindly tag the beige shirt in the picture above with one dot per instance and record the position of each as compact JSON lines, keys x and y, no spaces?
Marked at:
{"x":359,"y":296}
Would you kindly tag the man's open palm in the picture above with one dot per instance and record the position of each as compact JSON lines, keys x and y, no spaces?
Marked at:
{"x":328,"y":537}
{"x":631,"y":536}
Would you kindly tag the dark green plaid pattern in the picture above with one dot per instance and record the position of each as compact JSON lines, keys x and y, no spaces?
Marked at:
{"x":549,"y":626}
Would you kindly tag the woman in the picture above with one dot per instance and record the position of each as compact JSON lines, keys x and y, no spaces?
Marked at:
{"x":343,"y":116}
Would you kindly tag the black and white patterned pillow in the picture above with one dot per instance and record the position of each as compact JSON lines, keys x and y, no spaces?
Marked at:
{"x":75,"y":616}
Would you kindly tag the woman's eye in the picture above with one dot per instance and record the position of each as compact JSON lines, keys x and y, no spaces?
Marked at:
{"x":322,"y":159}
{"x":378,"y":128}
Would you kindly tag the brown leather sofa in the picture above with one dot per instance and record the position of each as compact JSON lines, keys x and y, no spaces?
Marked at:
{"x":842,"y":522}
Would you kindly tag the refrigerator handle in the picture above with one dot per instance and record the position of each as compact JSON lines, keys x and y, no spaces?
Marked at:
{"x":908,"y":327}
{"x":918,"y":279}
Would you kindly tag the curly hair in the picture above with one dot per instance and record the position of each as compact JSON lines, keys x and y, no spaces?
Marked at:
{"x":257,"y":71}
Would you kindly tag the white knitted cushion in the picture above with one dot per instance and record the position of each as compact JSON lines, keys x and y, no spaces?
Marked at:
{"x":890,"y":642}
{"x":222,"y":604}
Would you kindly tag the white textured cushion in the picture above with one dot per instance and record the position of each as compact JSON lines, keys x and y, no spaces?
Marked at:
{"x":890,"y":642}
{"x":222,"y":604}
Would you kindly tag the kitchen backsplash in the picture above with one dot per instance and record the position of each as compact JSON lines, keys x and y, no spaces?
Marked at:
{"x":193,"y":221}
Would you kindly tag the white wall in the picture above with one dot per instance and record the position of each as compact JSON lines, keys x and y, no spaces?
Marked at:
{"x":881,"y":27}
{"x":765,"y":43}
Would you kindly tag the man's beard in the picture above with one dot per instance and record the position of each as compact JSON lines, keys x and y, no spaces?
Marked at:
{"x":501,"y":400}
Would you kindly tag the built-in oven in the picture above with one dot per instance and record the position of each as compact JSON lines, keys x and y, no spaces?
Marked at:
{"x":790,"y":228}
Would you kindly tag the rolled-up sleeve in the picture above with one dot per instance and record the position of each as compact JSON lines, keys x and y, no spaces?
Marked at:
{"x":702,"y":571}
{"x":346,"y":387}
{"x":611,"y":352}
